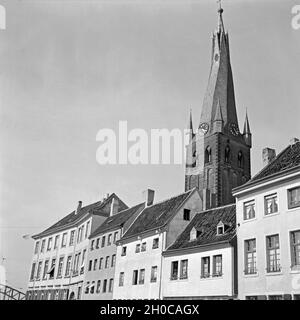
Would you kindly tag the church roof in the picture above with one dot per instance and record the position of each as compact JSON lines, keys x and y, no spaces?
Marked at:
{"x":206,"y":223}
{"x":220,"y":88}
{"x":157,"y":215}
{"x":101,"y":208}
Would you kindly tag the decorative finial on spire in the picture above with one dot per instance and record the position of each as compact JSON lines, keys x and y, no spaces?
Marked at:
{"x":220,"y":11}
{"x":220,"y":6}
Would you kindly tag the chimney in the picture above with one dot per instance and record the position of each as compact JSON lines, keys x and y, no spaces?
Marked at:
{"x":114,"y":207}
{"x":294,"y":141}
{"x":148,"y":196}
{"x":78,"y":207}
{"x":268,"y":155}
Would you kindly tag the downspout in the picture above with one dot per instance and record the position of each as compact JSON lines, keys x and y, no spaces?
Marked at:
{"x":161,"y":264}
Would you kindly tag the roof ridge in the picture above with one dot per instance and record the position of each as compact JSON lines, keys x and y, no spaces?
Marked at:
{"x":216,"y":208}
{"x":116,"y":214}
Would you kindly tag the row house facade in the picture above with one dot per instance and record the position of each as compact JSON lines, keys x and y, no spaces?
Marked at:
{"x":60,"y":252}
{"x":101,"y":257}
{"x":138,"y":272}
{"x":268,"y":232}
{"x":202,"y":264}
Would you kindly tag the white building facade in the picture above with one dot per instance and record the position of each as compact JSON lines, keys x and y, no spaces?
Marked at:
{"x":139,"y":253}
{"x":268,"y":233}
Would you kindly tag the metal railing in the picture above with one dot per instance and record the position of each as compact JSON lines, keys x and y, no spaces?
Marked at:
{"x":9,"y":293}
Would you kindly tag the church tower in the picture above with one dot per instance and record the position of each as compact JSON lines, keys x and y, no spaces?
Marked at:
{"x":218,"y":154}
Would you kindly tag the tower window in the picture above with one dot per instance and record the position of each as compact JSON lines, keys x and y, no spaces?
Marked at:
{"x":240,"y":159}
{"x":208,"y":155}
{"x":227,"y":154}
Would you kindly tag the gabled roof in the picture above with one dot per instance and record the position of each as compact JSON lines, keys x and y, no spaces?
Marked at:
{"x":206,"y":223}
{"x":101,"y":208}
{"x":287,"y":159}
{"x":117,"y":220}
{"x":157,"y":215}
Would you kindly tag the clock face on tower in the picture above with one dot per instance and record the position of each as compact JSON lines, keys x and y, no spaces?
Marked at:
{"x":204,"y":128}
{"x":234,"y":129}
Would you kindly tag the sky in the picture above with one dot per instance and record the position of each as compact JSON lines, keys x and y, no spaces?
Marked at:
{"x":70,"y":68}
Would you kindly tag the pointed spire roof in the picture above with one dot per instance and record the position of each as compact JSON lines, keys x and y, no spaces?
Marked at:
{"x":246,"y":125}
{"x":220,"y":88}
{"x":218,"y":115}
{"x":190,"y":127}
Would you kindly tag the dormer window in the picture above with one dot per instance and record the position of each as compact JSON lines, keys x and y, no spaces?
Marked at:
{"x":220,"y":229}
{"x":194,"y":234}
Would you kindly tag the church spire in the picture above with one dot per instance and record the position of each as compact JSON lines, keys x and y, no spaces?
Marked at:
{"x":247,"y":132}
{"x":220,"y":88}
{"x":190,"y":127}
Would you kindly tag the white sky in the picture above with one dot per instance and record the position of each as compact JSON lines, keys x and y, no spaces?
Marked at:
{"x":70,"y":68}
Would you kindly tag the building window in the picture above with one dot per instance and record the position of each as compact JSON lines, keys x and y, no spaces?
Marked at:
{"x":275,"y":297}
{"x":137,"y":248}
{"x":104,"y":285}
{"x":227,"y":154}
{"x":113,"y":260}
{"x":68,"y":266}
{"x":52,"y":269}
{"x":115,"y":236}
{"x":109,"y":239}
{"x":296,"y":296}
{"x":98,"y":286}
{"x":60,"y":267}
{"x":36,"y":249}
{"x":43,"y":245}
{"x":271,"y":205}
{"x":107,"y":262}
{"x":174,"y":270}
{"x":183,"y":269}
{"x":49,"y":246}
{"x":123,"y":253}
{"x":32,"y":271}
{"x":273,"y":253}
{"x":186,"y":214}
{"x":97,"y":243}
{"x":249,"y":210}
{"x":82,"y":261}
{"x":95,"y":264}
{"x":90,"y":265}
{"x":87,"y":229}
{"x":295,"y":248}
{"x":39,"y":269}
{"x":103,"y":242}
{"x":135,"y":277}
{"x":217,"y":266}
{"x":64,"y":240}
{"x":142,"y":276}
{"x":294,"y":198}
{"x":207,"y":155}
{"x":100,"y":263}
{"x":240,"y":160}
{"x":46,"y":265}
{"x":92,"y":245}
{"x":153,"y":274}
{"x":56,"y":241}
{"x":87,"y":287}
{"x":121,"y":279}
{"x":155,"y":243}
{"x":205,"y":262}
{"x":111,"y":285}
{"x":72,"y":237}
{"x":143,"y":248}
{"x":250,"y":256}
{"x":92,"y":289}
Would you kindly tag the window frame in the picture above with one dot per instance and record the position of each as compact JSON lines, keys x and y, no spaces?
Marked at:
{"x":290,"y":204}
{"x":268,"y":197}
{"x":245,"y":213}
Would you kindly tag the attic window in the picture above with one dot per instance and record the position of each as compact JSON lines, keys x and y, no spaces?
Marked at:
{"x":220,"y":229}
{"x":194,"y":234}
{"x":186,"y":214}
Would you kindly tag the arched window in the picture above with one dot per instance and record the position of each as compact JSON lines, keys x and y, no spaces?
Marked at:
{"x":227,"y":154}
{"x":208,"y":155}
{"x":240,"y":159}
